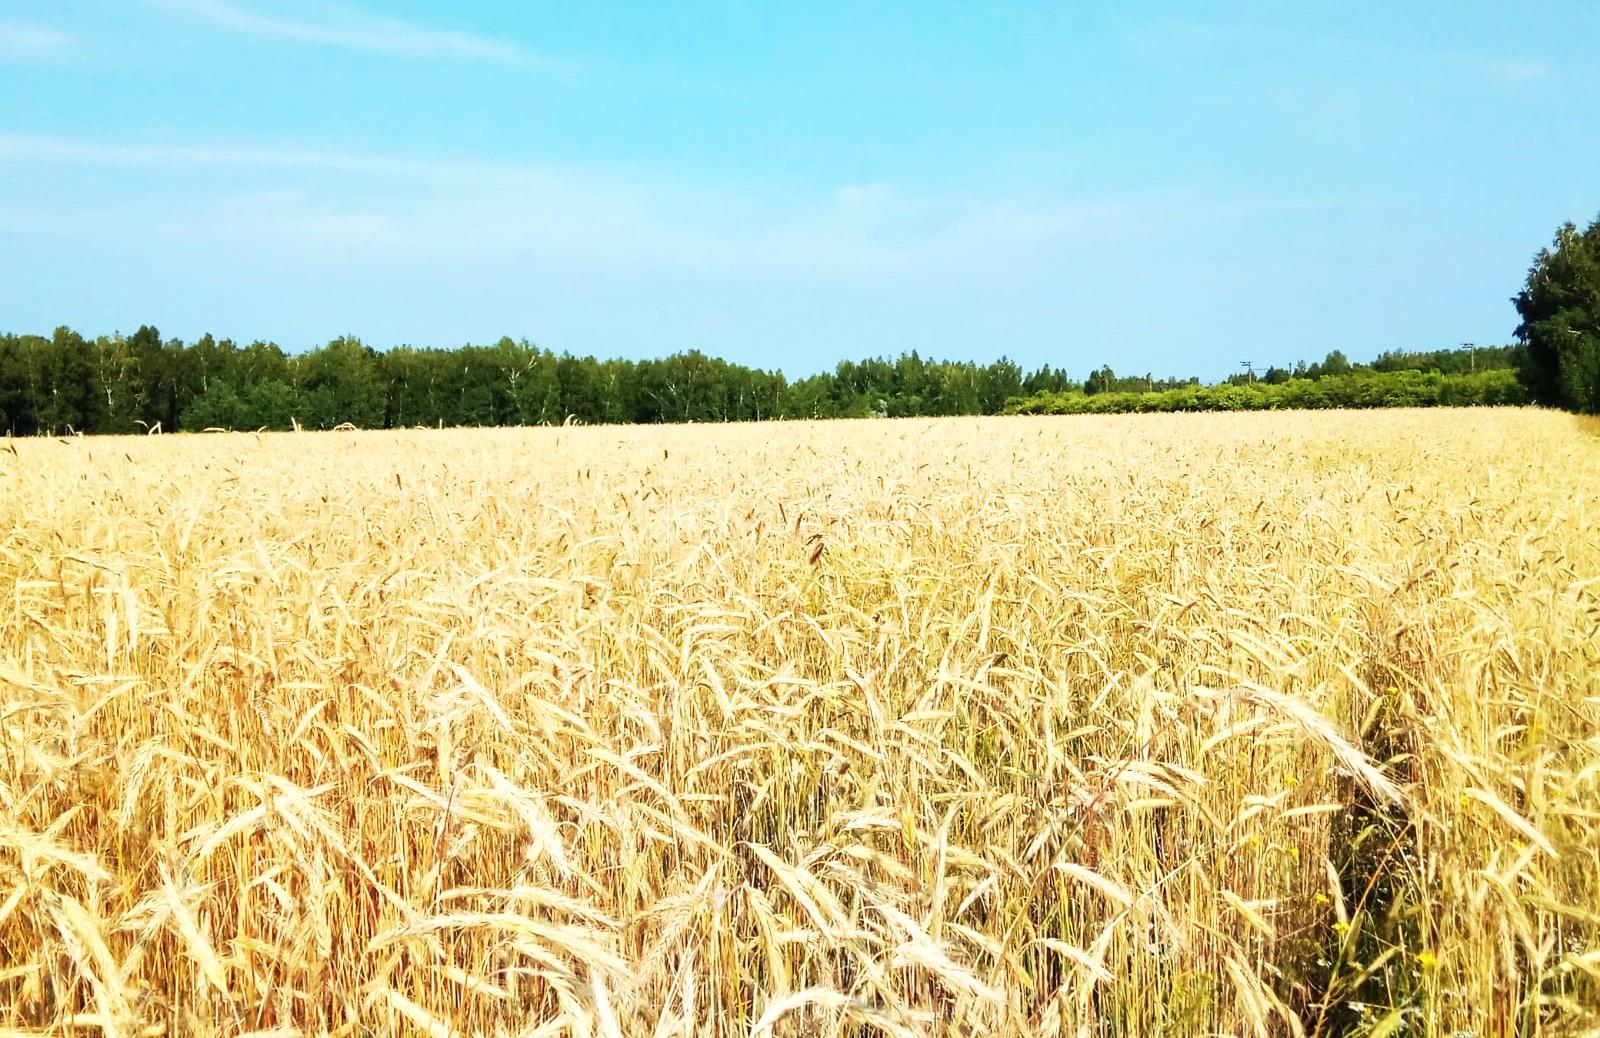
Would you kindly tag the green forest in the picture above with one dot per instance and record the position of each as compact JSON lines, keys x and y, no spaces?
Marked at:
{"x":68,"y":383}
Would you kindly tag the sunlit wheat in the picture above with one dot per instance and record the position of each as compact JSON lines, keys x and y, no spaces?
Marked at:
{"x":1228,"y":724}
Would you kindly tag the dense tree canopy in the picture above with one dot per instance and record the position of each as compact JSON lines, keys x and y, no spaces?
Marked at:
{"x":1560,"y":308}
{"x":121,"y":384}
{"x":67,"y":383}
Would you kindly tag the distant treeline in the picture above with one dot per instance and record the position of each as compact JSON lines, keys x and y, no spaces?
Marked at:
{"x":123,"y":384}
{"x":1367,"y":388}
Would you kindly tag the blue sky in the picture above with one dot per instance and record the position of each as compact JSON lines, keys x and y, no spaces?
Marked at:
{"x":1166,"y":187}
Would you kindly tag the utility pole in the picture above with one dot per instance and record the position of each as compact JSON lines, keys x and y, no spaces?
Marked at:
{"x":1472,"y":358}
{"x":1249,"y":370}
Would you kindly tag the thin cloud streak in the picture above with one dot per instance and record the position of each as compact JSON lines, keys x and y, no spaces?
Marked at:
{"x":632,"y":216}
{"x":27,"y":42}
{"x":72,"y":151}
{"x":339,"y":26}
{"x":606,"y":217}
{"x":578,"y":248}
{"x":1514,"y":72}
{"x":1172,"y":43}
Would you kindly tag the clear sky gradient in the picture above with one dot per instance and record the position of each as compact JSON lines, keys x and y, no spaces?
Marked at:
{"x":1166,"y":187}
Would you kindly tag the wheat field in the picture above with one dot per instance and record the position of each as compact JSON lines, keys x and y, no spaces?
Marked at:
{"x":1268,"y":724}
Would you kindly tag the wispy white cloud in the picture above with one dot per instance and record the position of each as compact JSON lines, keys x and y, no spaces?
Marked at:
{"x":336,"y":25}
{"x":24,"y":42}
{"x":86,"y":152}
{"x":1512,"y":72}
{"x":1178,"y":42}
{"x":588,"y":251}
{"x":593,"y":256}
{"x":639,"y":218}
